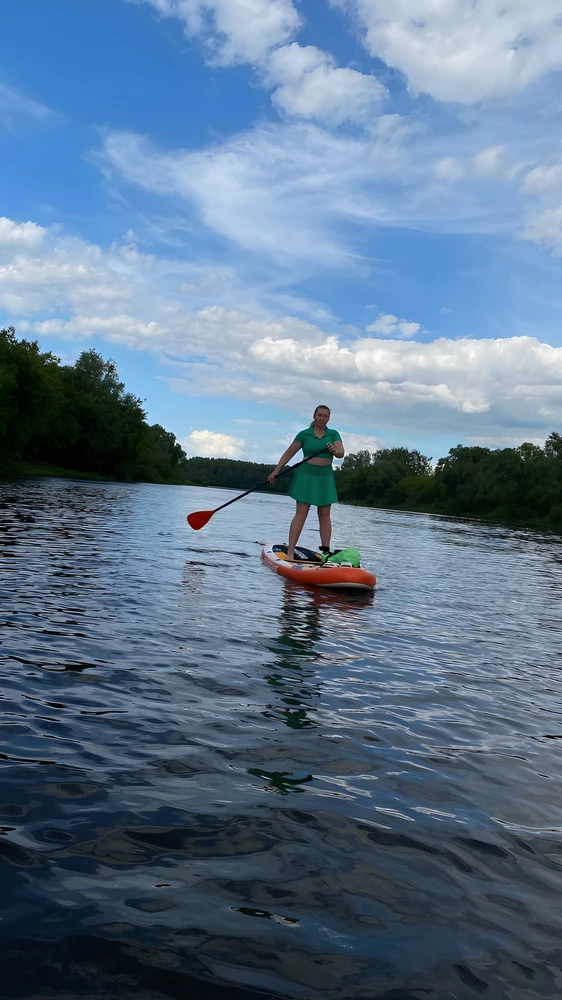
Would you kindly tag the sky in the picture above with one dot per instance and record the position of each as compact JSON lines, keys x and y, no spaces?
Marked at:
{"x":258,"y":206}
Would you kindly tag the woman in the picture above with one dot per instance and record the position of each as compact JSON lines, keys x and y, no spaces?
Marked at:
{"x":313,"y":483}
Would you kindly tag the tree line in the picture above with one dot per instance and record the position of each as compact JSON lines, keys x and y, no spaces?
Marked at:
{"x":231,"y":473}
{"x":80,"y":418}
{"x":522,"y":485}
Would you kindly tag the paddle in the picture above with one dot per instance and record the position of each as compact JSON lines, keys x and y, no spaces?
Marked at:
{"x":199,"y":518}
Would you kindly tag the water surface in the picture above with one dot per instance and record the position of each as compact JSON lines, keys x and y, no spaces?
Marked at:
{"x":216,"y":784}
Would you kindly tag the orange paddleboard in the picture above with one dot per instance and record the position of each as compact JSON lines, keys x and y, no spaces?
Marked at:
{"x":307,"y":568}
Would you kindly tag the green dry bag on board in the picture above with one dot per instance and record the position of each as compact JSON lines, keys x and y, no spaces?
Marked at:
{"x":351,"y":557}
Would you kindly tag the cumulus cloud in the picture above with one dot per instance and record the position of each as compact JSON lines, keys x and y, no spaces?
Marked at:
{"x":453,"y":51}
{"x":459,"y":51}
{"x":310,"y":85}
{"x":388,"y":325}
{"x":16,"y":236}
{"x":211,"y":444}
{"x":64,"y":287}
{"x":478,"y":387}
{"x":40,"y":269}
{"x":233,"y":31}
{"x":306,"y":81}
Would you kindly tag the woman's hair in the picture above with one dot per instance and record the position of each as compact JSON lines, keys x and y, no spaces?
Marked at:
{"x":321,"y":406}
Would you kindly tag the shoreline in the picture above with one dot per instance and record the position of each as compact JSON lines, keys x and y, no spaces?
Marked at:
{"x":42,"y":470}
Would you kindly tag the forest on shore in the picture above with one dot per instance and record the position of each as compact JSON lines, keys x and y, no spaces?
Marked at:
{"x":79,"y":420}
{"x":519,"y":485}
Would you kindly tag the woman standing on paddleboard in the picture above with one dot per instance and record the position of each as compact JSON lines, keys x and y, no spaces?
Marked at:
{"x":313,"y":483}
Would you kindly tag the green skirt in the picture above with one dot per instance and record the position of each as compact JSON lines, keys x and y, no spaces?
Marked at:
{"x":314,"y":484}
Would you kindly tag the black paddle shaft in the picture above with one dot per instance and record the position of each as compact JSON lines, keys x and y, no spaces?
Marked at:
{"x":290,"y":468}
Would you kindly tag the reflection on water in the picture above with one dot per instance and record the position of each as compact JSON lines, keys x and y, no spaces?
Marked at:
{"x":216,"y":784}
{"x":295,"y":677}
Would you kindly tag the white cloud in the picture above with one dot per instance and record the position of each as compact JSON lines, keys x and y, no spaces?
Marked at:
{"x":360,"y":442}
{"x":262,"y":190}
{"x":125,"y":329}
{"x":496,"y":163}
{"x":210,"y":444}
{"x":542,"y":180}
{"x":460,"y":51}
{"x":299,"y":195}
{"x":16,"y":236}
{"x":306,"y":81}
{"x":450,"y":169}
{"x":234,"y":31}
{"x":388,"y":325}
{"x":546,"y":229}
{"x":490,"y":162}
{"x":310,"y":85}
{"x":13,"y":103}
{"x":70,"y":289}
{"x":473,"y":387}
{"x":503,"y":441}
{"x":293,"y":191}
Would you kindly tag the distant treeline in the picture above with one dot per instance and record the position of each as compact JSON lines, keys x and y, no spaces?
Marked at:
{"x":80,"y":418}
{"x":521,"y":485}
{"x":77,"y":417}
{"x":232,"y":473}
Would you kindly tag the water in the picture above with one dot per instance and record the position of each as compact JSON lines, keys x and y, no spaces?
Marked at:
{"x":215,"y":784}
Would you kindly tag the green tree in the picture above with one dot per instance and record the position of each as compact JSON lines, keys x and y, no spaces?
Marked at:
{"x":111,"y":421}
{"x":161,"y":458}
{"x":386,"y":478}
{"x":357,"y":460}
{"x":31,"y":396}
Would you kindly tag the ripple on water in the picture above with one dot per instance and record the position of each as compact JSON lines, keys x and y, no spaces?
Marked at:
{"x":214,"y":782}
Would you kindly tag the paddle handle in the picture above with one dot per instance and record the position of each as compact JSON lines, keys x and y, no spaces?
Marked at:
{"x":289,"y":468}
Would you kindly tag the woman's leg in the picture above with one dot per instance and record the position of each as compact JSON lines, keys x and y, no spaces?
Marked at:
{"x":325,"y":524}
{"x":297,"y":524}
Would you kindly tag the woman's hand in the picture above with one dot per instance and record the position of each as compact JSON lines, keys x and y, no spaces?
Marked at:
{"x":331,"y":448}
{"x":285,"y":457}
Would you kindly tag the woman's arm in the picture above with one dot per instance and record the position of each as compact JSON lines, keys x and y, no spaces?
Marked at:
{"x":288,"y":454}
{"x":337,"y":449}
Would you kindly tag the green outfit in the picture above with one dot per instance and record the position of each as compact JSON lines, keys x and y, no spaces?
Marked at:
{"x":315,"y":484}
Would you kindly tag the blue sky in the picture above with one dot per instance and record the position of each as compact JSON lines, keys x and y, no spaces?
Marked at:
{"x":258,"y":205}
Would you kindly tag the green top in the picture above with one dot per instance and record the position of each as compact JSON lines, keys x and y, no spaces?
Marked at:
{"x":312,"y":445}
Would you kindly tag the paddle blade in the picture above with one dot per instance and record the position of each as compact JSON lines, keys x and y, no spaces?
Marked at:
{"x":199,"y":518}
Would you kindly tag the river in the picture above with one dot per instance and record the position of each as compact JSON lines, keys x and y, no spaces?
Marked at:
{"x":216,"y":784}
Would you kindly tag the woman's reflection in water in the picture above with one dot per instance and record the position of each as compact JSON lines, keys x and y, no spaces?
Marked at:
{"x":307,"y":616}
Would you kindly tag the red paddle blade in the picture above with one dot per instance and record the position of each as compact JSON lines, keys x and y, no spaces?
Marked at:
{"x":199,"y":518}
